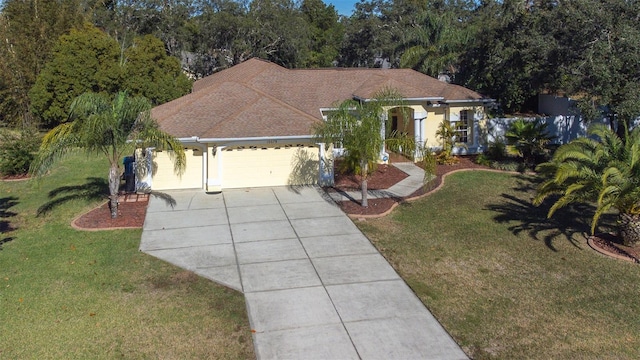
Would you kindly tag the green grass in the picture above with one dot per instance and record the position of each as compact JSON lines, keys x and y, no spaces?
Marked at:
{"x":506,"y":282}
{"x":70,"y":294}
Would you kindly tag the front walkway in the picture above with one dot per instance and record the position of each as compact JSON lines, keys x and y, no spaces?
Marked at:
{"x":401,"y":190}
{"x":314,"y":285}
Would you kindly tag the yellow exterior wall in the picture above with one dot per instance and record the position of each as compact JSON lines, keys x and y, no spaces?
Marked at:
{"x":434,"y":118}
{"x":164,"y":178}
{"x":255,"y":166}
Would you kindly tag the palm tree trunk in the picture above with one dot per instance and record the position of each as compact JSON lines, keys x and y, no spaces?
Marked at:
{"x":364,"y":166}
{"x":629,"y":228}
{"x":114,"y":187}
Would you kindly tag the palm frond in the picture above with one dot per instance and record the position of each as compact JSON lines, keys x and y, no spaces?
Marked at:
{"x":55,"y":145}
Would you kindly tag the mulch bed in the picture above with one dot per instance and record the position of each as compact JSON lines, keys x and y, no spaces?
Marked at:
{"x":383,"y":178}
{"x":132,"y":209}
{"x":381,"y":206}
{"x":610,"y":244}
{"x":14,"y":177}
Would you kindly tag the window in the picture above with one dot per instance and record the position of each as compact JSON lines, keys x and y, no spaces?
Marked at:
{"x":462,"y":126}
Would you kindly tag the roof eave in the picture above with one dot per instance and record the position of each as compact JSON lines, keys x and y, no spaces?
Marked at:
{"x":430,"y":98}
{"x":252,"y":139}
{"x":466,"y":101}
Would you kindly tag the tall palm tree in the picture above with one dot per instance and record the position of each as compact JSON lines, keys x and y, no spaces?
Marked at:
{"x":357,"y":126}
{"x":432,"y":46}
{"x":114,"y":128}
{"x":605,"y":171}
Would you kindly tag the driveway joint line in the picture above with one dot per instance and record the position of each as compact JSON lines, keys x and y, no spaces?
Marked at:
{"x":233,"y":244}
{"x":324,"y":286}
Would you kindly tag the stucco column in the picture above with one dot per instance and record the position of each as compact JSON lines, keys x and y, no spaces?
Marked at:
{"x":418,"y":130}
{"x":383,"y":133}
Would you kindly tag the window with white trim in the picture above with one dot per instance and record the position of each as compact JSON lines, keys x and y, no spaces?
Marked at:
{"x":463,"y":126}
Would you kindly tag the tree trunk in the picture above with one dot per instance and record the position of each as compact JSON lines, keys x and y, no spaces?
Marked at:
{"x":114,"y":187}
{"x":629,"y":229}
{"x":364,"y":167}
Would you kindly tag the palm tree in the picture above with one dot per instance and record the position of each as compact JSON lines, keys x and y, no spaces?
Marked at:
{"x":357,"y":125}
{"x":114,"y":128}
{"x":433,"y":45}
{"x":528,"y":140}
{"x":605,"y":171}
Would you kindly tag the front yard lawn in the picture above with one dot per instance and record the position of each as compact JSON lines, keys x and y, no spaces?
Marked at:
{"x":506,"y":282}
{"x":68,"y":294}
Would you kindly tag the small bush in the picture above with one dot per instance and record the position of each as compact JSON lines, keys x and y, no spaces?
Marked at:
{"x":483,"y":160}
{"x":508,"y":165}
{"x":350,"y":164}
{"x":496,"y":150}
{"x":445,"y":158}
{"x":529,"y":140}
{"x":17,"y":151}
{"x":429,"y":163}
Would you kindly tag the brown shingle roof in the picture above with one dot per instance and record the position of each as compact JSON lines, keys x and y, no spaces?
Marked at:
{"x":258,"y":98}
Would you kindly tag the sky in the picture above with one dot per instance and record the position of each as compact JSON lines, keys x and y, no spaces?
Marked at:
{"x":344,"y":7}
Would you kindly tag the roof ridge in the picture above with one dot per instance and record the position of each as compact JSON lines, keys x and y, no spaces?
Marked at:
{"x":182,"y":101}
{"x":247,"y":105}
{"x":235,"y":113}
{"x":284,"y":103}
{"x":267,"y":65}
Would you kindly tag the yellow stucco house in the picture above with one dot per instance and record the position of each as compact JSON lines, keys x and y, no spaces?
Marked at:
{"x":251,"y":125}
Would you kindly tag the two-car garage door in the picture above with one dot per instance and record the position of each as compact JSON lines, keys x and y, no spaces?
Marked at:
{"x":242,"y":166}
{"x":272,"y":165}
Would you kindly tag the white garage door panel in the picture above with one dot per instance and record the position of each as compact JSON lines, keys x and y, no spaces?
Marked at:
{"x":269,"y":166}
{"x":164,"y":178}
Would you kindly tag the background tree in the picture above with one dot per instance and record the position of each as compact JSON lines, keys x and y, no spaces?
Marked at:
{"x":113,"y":128}
{"x":509,"y":58}
{"x":599,"y":48}
{"x":604,"y":171}
{"x":367,"y":41}
{"x":279,"y":32}
{"x":150,"y":72}
{"x":219,"y":37}
{"x":88,"y":59}
{"x":357,"y":126}
{"x":325,"y":33}
{"x":434,"y":44}
{"x":29,"y":30}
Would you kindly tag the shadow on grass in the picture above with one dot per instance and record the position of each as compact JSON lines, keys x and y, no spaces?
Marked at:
{"x":526,"y":217}
{"x":5,"y":224}
{"x":94,"y":189}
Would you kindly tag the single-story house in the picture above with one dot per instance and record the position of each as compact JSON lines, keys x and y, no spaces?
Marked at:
{"x":251,"y":125}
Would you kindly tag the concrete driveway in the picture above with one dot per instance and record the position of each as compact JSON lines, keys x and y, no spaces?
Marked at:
{"x":314,"y":285}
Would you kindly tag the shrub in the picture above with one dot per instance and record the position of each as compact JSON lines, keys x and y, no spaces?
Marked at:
{"x":350,"y":164}
{"x":17,"y":151}
{"x":529,"y":140}
{"x":483,"y":159}
{"x":429,"y":163}
{"x":496,"y":150}
{"x":446,"y":135}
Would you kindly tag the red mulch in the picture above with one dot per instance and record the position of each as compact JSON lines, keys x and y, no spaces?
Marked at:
{"x":132,"y":209}
{"x":384,"y":177}
{"x":610,"y":244}
{"x":379,"y":206}
{"x":14,"y":177}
